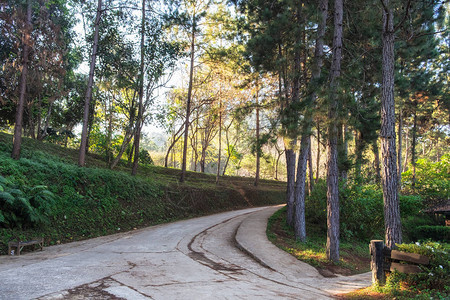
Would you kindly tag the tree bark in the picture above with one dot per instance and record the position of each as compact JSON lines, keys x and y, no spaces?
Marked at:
{"x":258,"y":146}
{"x":376,"y":153}
{"x":389,"y":156}
{"x":310,"y":167}
{"x":332,"y":143}
{"x":299,"y":222}
{"x":305,"y":143}
{"x":188,"y":103}
{"x":359,"y":148}
{"x":413,"y":145}
{"x":84,"y":132}
{"x":405,"y":161}
{"x":290,"y":190}
{"x":399,"y":155}
{"x":140,"y":121}
{"x":299,"y":193}
{"x":220,"y":140}
{"x":343,"y":149}
{"x":26,"y":41}
{"x":318,"y":153}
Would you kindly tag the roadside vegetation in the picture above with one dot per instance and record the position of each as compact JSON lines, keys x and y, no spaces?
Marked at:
{"x":45,"y":194}
{"x":354,"y":255}
{"x":362,"y":220}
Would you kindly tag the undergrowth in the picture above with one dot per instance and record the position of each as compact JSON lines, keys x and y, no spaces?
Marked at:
{"x":354,"y":254}
{"x":45,"y":194}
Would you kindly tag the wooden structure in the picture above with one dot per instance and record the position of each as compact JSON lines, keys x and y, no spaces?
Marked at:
{"x":20,"y":244}
{"x":383,"y":260}
{"x":442,"y":209}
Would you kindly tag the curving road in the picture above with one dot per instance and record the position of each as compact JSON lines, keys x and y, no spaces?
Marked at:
{"x":192,"y":259}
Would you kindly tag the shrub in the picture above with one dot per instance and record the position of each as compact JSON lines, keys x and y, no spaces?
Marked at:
{"x":361,"y":210}
{"x":24,"y":206}
{"x":434,"y":275}
{"x":433,"y":232}
{"x":432,"y":179}
{"x":145,"y":158}
{"x":316,"y":205}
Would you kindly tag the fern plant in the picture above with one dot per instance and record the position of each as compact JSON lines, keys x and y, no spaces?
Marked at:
{"x":24,"y":206}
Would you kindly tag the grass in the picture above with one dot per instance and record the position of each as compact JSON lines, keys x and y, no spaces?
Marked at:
{"x":94,"y":200}
{"x":354,"y":259}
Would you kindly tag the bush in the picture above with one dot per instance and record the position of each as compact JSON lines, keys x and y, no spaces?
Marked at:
{"x":316,"y":205}
{"x":434,"y":275}
{"x":24,"y":206}
{"x":145,"y":158}
{"x":361,"y":210}
{"x":432,"y":179}
{"x":433,"y":232}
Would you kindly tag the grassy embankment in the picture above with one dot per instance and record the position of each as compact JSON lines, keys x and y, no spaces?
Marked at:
{"x":94,"y":201}
{"x":354,"y":254}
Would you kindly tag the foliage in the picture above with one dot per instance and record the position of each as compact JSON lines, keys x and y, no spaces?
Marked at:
{"x":432,"y":179}
{"x":24,"y":206}
{"x":90,"y":202}
{"x":433,"y":232}
{"x":361,"y":210}
{"x":433,"y":282}
{"x":145,"y":158}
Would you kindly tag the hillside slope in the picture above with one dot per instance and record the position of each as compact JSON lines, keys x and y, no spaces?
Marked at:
{"x":93,"y":201}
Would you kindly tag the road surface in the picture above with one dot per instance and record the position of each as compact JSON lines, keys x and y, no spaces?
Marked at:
{"x":191,"y":259}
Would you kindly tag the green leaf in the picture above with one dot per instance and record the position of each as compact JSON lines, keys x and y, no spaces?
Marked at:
{"x":7,"y":197}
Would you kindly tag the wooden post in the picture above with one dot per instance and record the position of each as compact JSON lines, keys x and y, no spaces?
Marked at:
{"x":377,"y":261}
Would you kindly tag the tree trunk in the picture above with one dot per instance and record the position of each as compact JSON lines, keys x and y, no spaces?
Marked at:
{"x":310,"y":168}
{"x":399,"y":156}
{"x":359,"y":148}
{"x":343,"y":152}
{"x":405,"y":161}
{"x":376,"y":153}
{"x":130,"y":155}
{"x":84,"y":132}
{"x":228,"y":152}
{"x":290,"y":190}
{"x":220,"y":140}
{"x":39,"y":118}
{"x":277,"y":163}
{"x":31,"y":122}
{"x":258,"y":146}
{"x":195,"y":146}
{"x":299,"y":194}
{"x":129,"y":133}
{"x":110,"y":129}
{"x":127,"y":139}
{"x":174,"y":141}
{"x":305,"y":143}
{"x":188,"y":103}
{"x":140,"y":121}
{"x":318,"y":153}
{"x":332,"y":143}
{"x":26,"y":42}
{"x":299,"y":222}
{"x":389,"y":175}
{"x":413,"y":146}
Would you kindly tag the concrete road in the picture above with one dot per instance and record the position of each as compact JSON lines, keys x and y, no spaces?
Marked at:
{"x":191,"y":259}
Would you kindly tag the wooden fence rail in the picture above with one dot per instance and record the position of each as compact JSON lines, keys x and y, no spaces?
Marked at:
{"x":383,"y":260}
